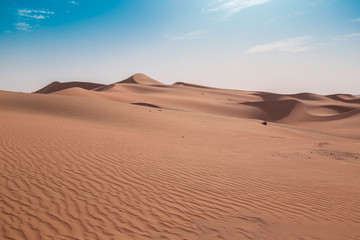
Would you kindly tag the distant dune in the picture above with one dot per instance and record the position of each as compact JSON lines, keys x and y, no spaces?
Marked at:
{"x":141,"y":79}
{"x":139,"y":159}
{"x":290,"y":108}
{"x":58,"y":86}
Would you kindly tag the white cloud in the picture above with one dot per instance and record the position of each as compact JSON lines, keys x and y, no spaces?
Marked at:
{"x":292,"y":45}
{"x":356,"y":20}
{"x":21,"y":26}
{"x":346,"y":37}
{"x":74,"y":2}
{"x":302,"y":44}
{"x":230,"y":7}
{"x":187,"y":36}
{"x":32,"y":16}
{"x":35,"y":14}
{"x":26,"y":18}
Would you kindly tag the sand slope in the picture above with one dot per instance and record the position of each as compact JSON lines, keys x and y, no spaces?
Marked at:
{"x":137,"y":160}
{"x":58,"y":86}
{"x":291,"y":108}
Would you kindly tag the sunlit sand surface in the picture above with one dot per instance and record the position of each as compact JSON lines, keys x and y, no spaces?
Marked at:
{"x":140,"y":159}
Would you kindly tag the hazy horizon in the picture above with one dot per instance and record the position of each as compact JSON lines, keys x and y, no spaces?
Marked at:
{"x":261,"y":45}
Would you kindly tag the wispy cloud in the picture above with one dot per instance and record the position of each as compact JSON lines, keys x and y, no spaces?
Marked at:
{"x":346,"y":37}
{"x":187,"y":36}
{"x":36,"y":14}
{"x":356,"y":20}
{"x":303,"y":44}
{"x":27,"y":18}
{"x":74,"y":2}
{"x":292,"y":45}
{"x":21,"y":26}
{"x":297,"y":13}
{"x":230,"y":7}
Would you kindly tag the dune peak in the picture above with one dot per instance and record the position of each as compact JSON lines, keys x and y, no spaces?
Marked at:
{"x":140,"y":78}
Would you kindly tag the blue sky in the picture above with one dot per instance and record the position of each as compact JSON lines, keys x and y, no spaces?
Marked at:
{"x":270,"y":45}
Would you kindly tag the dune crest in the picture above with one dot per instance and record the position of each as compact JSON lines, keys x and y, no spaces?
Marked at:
{"x":140,"y":78}
{"x":190,"y":85}
{"x":58,"y":86}
{"x":289,"y":108}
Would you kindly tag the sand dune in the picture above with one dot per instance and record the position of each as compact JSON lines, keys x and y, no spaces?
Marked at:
{"x":290,"y":108}
{"x":58,"y":86}
{"x":141,"y":79}
{"x":345,"y":98}
{"x":132,"y":160}
{"x":190,"y":85}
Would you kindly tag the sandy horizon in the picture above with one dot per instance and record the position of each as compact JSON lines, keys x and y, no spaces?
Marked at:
{"x":139,"y":159}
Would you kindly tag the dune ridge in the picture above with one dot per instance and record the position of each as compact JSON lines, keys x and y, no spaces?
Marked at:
{"x":289,"y":108}
{"x":58,"y":86}
{"x":140,"y":78}
{"x":132,"y":160}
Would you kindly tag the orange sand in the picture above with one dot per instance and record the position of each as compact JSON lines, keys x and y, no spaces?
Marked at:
{"x":140,"y":159}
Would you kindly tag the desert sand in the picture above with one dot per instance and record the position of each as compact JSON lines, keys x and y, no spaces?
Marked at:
{"x":139,"y":159}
